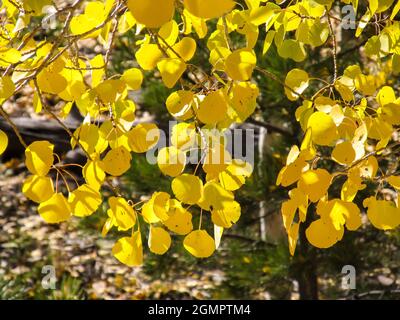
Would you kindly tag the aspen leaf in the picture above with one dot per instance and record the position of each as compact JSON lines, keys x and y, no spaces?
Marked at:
{"x":394,"y":181}
{"x":322,"y":234}
{"x":179,"y":221}
{"x":179,"y":104}
{"x":215,"y":197}
{"x":171,"y":70}
{"x":292,"y":49}
{"x":84,"y":200}
{"x":148,"y":56}
{"x":199,"y":243}
{"x":324,"y":130}
{"x":183,"y":136}
{"x":38,"y":188}
{"x":169,"y":32}
{"x":297,"y":80}
{"x":94,"y":174}
{"x":344,"y":153}
{"x":117,"y":161}
{"x":171,"y":161}
{"x":382,"y":214}
{"x":239,"y":65}
{"x":148,"y":212}
{"x":152,"y":13}
{"x":122,"y":213}
{"x":227,"y":216}
{"x":133,"y":78}
{"x":39,"y":157}
{"x":93,"y":16}
{"x":315,"y":183}
{"x":159,"y":240}
{"x":187,"y":188}
{"x":208,"y":9}
{"x":293,"y":236}
{"x":56,"y":209}
{"x":143,"y":137}
{"x":51,"y":82}
{"x":185,"y":49}
{"x":7,"y":88}
{"x":213,"y":108}
{"x":3,"y":142}
{"x":129,"y":250}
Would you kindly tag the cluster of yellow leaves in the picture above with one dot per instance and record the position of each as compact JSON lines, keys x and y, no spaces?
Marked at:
{"x":348,"y":128}
{"x":168,"y":29}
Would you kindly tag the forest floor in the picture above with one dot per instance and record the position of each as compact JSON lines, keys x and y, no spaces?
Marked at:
{"x":82,"y":259}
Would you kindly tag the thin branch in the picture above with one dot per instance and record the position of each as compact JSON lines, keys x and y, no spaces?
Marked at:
{"x":334,"y":45}
{"x":270,"y":127}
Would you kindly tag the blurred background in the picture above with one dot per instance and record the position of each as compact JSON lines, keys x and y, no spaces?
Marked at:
{"x":253,"y":261}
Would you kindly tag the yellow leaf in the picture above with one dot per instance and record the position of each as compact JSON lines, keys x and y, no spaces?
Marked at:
{"x":218,"y":231}
{"x":293,"y":236}
{"x":269,"y":38}
{"x":315,"y":183}
{"x":56,"y":209}
{"x":129,"y":250}
{"x":227,"y":216}
{"x":216,"y":159}
{"x":322,"y":234}
{"x":84,"y":200}
{"x":185,"y":49}
{"x":117,"y":161}
{"x":344,"y":153}
{"x":169,"y":32}
{"x":122,"y":213}
{"x":382,"y":214}
{"x":51,"y":82}
{"x":171,"y":161}
{"x":152,"y":13}
{"x":94,"y":15}
{"x":187,"y":188}
{"x":179,"y":104}
{"x":133,"y":78}
{"x":93,"y":172}
{"x":244,"y":99}
{"x":39,"y":157}
{"x":126,"y":22}
{"x":38,"y":188}
{"x":3,"y":142}
{"x":340,"y":213}
{"x":7,"y":88}
{"x":171,"y":70}
{"x":208,"y":9}
{"x":292,"y":49}
{"x":324,"y":131}
{"x":199,"y":243}
{"x":183,"y":135}
{"x":394,"y":181}
{"x":180,"y":220}
{"x":159,"y":240}
{"x":292,"y":172}
{"x":297,"y":81}
{"x":98,"y":72}
{"x":213,"y":108}
{"x":215,"y":197}
{"x":239,"y":65}
{"x":9,"y":56}
{"x":148,"y":56}
{"x":143,"y":137}
{"x":161,"y":205}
